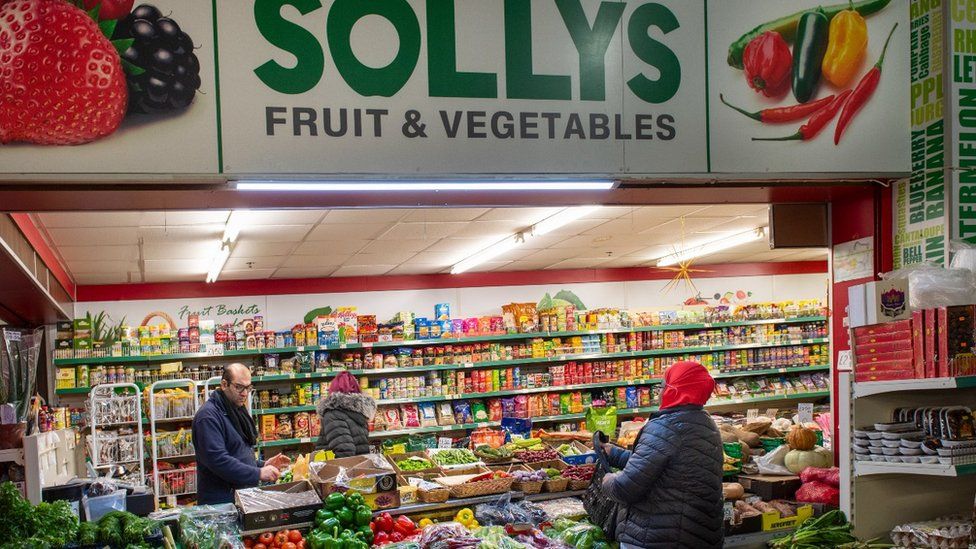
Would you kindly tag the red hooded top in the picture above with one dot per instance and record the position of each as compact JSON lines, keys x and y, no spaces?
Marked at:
{"x":686,"y":383}
{"x":344,"y":383}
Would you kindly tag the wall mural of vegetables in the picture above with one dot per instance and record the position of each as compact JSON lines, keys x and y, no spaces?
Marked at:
{"x":829,"y":45}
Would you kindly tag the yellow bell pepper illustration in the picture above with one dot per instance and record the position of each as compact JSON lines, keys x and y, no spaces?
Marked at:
{"x":847,"y":43}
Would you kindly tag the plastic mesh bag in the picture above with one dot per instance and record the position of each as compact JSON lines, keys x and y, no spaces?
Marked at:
{"x":932,"y":286}
{"x":210,"y":527}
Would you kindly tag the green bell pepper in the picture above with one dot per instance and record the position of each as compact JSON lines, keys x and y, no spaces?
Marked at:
{"x":330,"y":524}
{"x":353,"y":543}
{"x":346,"y":534}
{"x":363,"y":515}
{"x":322,"y":515}
{"x":345,"y":516}
{"x":335,"y":501}
{"x":354,"y":499}
{"x":808,"y":53}
{"x":367,"y":533}
{"x":316,"y":539}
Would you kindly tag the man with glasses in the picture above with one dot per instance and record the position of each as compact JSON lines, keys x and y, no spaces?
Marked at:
{"x":224,"y":436}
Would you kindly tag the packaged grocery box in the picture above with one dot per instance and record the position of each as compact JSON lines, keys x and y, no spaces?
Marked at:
{"x":269,"y":507}
{"x":889,"y":375}
{"x":918,"y":343}
{"x":371,"y":475}
{"x":931,"y":347}
{"x":881,"y":301}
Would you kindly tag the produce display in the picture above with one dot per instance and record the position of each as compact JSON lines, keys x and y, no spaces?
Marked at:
{"x":344,"y":522}
{"x":281,"y":539}
{"x":578,"y":472}
{"x":539,"y":475}
{"x":454,"y":456}
{"x":568,"y":450}
{"x":414,"y":464}
{"x":828,"y":530}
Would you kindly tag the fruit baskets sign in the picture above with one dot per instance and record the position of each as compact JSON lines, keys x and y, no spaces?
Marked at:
{"x":401,"y":87}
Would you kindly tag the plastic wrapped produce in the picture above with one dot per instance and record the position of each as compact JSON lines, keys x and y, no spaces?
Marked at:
{"x":818,"y":492}
{"x":444,"y":531}
{"x":830,"y":476}
{"x":210,"y":527}
{"x":933,"y":286}
{"x":562,"y":508}
{"x":495,"y":537}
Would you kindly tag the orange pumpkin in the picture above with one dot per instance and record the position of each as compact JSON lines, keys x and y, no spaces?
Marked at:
{"x":801,"y":438}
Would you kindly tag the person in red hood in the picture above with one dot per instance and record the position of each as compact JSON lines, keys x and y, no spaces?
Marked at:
{"x":670,"y":487}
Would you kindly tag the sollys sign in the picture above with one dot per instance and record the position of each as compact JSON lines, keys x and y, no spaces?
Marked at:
{"x":444,"y":79}
{"x":554,"y":86}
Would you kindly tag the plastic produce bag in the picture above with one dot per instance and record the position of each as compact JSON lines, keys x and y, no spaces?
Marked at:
{"x":774,"y":463}
{"x":963,"y":255}
{"x":829,"y":476}
{"x":495,"y":537}
{"x":504,"y":511}
{"x":601,"y":419}
{"x":932,"y":286}
{"x":583,"y":536}
{"x":440,"y":532}
{"x":818,"y":492}
{"x":210,"y":527}
{"x":949,"y":532}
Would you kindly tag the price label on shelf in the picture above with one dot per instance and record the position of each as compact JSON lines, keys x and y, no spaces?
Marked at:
{"x":445,"y":442}
{"x":215,"y":350}
{"x":752,"y":414}
{"x":805,"y":410}
{"x":300,"y":349}
{"x":468,"y":365}
{"x":304,"y":440}
{"x":845,"y":362}
{"x":368,"y":345}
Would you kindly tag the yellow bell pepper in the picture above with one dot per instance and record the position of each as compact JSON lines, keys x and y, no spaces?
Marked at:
{"x":847,"y":43}
{"x":473,"y":525}
{"x":465,"y":516}
{"x":424,"y":523}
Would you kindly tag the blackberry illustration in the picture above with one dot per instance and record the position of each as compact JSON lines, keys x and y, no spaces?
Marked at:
{"x":162,"y":72}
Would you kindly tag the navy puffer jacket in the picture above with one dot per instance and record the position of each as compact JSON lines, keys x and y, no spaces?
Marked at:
{"x":670,"y":487}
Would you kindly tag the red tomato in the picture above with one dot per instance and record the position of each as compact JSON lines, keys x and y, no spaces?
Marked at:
{"x":288,"y":545}
{"x":249,"y":542}
{"x":260,"y":546}
{"x":301,"y":545}
{"x":294,"y":536}
{"x":281,"y":538}
{"x":266,"y":538}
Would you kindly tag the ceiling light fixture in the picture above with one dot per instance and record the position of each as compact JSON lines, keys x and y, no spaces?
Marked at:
{"x":561,"y":219}
{"x":456,"y":185}
{"x":218,"y":262}
{"x":547,"y":225}
{"x":712,"y":247}
{"x":232,"y":229}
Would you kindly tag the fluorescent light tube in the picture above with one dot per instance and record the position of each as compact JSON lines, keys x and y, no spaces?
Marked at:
{"x":218,"y":262}
{"x":383,"y":186}
{"x":486,"y":254}
{"x":561,"y":219}
{"x":233,"y":226}
{"x":712,"y":247}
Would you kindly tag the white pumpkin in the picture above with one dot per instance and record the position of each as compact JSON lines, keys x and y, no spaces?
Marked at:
{"x":798,"y":460}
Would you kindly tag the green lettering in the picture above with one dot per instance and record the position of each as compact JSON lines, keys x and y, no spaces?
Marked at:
{"x":520,"y":81}
{"x":443,"y":78}
{"x":367,"y":81}
{"x":654,"y":53}
{"x":294,"y":39}
{"x":591,"y":43}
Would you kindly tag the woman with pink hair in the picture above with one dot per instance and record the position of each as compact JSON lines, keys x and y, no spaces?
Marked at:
{"x":345,"y":414}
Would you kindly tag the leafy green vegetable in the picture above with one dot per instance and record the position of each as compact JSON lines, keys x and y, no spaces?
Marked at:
{"x":87,"y":533}
{"x":55,"y":522}
{"x":17,"y":513}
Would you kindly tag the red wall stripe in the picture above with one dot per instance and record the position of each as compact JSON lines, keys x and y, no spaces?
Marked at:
{"x":33,"y":235}
{"x":125,"y":292}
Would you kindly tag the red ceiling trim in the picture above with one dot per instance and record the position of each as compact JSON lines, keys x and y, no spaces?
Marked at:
{"x":50,"y":259}
{"x":170,"y":290}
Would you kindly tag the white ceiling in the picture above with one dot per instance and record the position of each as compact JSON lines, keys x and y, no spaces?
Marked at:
{"x":110,"y":248}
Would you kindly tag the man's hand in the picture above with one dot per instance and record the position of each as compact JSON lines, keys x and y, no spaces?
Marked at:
{"x":270,"y":473}
{"x":280,"y":461}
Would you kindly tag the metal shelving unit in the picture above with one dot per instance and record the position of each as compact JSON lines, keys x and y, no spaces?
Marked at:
{"x":102,"y":403}
{"x":910,"y":491}
{"x":185,"y":476}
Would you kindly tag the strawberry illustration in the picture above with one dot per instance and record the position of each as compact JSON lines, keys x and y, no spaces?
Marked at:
{"x":61,"y":78}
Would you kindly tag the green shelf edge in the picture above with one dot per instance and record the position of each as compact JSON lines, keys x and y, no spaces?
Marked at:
{"x":562,"y":417}
{"x":422,"y":342}
{"x":648,"y":381}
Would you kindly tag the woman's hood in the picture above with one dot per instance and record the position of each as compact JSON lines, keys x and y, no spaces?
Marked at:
{"x":349,"y":402}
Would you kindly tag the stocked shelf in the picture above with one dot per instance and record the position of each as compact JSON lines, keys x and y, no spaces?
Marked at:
{"x":471,"y":502}
{"x":422,"y":342}
{"x":868,"y":388}
{"x":543,"y":419}
{"x":864,"y":468}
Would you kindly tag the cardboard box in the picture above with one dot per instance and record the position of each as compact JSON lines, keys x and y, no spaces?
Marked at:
{"x":885,"y":347}
{"x":956,"y":336}
{"x":771,"y":486}
{"x":887,"y":375}
{"x":264,"y":519}
{"x":918,"y":343}
{"x":877,"y":330}
{"x":394,"y":458}
{"x":885,"y":337}
{"x":772,"y":521}
{"x":931,"y":349}
{"x":877,"y":302}
{"x":372,"y":476}
{"x":905,"y":365}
